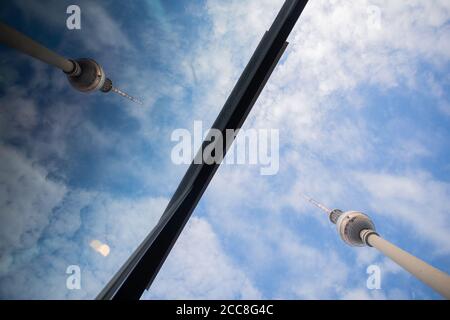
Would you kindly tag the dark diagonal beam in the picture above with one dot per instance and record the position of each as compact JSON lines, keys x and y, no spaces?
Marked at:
{"x":141,"y":268}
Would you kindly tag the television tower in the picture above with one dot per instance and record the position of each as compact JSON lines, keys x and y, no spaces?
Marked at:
{"x":85,"y":75}
{"x":357,"y":229}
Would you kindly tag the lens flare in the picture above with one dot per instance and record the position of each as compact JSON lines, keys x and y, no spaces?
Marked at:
{"x":100,"y":247}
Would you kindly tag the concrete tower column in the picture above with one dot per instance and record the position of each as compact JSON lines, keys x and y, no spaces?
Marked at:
{"x":24,"y":44}
{"x":435,"y":278}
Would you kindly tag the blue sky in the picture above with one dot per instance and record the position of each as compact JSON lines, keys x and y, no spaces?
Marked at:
{"x":361,"y":101}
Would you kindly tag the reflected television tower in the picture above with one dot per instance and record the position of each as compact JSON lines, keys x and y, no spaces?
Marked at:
{"x":357,"y":229}
{"x":85,"y":75}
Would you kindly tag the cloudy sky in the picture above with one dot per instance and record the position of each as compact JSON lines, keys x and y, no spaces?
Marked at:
{"x":361,"y":102}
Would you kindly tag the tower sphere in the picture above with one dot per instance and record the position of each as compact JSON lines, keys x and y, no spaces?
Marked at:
{"x":350,"y":224}
{"x":90,"y":75}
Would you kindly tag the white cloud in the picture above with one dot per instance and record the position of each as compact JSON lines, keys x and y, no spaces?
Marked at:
{"x":313,"y":273}
{"x":333,"y":50}
{"x":198,"y":268}
{"x":27,"y":197}
{"x":19,"y":113}
{"x":415,"y":199}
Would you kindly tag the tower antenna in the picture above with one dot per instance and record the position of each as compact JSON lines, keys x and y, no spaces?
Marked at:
{"x":316,"y":203}
{"x":126,"y":95}
{"x":108,"y":86}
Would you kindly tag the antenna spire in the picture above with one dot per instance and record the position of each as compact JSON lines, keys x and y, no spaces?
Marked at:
{"x":108,"y":87}
{"x":126,"y":95}
{"x":316,"y":203}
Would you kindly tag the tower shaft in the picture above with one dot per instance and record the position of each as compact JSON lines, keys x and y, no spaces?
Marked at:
{"x":24,"y":44}
{"x":435,"y":278}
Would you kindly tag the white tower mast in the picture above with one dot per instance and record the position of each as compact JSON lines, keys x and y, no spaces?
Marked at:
{"x":357,"y":229}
